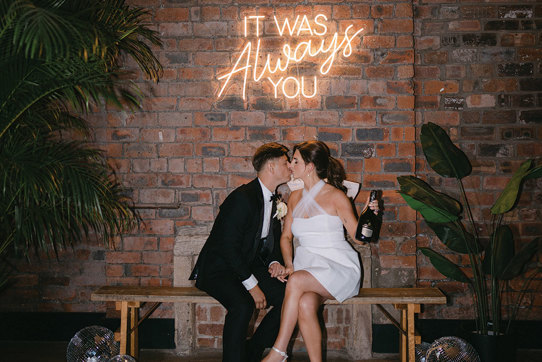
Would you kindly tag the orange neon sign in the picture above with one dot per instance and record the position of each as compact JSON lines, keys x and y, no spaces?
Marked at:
{"x":319,"y":47}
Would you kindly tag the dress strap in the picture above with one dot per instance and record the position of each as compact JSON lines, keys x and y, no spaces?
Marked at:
{"x":307,"y":207}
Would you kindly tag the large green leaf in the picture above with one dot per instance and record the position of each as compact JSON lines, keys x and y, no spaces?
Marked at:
{"x":501,"y":252}
{"x":509,"y":195}
{"x":445,"y":266}
{"x":454,"y":236}
{"x":516,"y":264}
{"x":443,"y":156}
{"x":534,"y":173}
{"x":434,"y":206}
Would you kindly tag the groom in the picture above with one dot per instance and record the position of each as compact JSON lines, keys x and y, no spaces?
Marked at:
{"x":235,"y":263}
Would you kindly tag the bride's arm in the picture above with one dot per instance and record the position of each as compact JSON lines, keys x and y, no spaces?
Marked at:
{"x":286,"y":238}
{"x":346,"y":213}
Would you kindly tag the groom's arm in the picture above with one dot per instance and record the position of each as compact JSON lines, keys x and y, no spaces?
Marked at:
{"x":234,"y":217}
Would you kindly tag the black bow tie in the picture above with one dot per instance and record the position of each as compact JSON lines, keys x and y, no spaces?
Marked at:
{"x":275,"y":197}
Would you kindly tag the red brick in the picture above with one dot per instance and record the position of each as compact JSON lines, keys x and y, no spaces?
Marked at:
{"x":158,"y":135}
{"x":320,"y":117}
{"x":175,"y":29}
{"x":396,"y":26}
{"x":358,"y":118}
{"x":237,"y":164}
{"x":343,"y":134}
{"x":404,"y":41}
{"x":341,"y":12}
{"x":378,"y":41}
{"x":195,"y":73}
{"x":123,"y":257}
{"x":385,"y":72}
{"x":299,"y":134}
{"x":193,"y":134}
{"x":175,"y":150}
{"x":440,"y":87}
{"x":228,"y":134}
{"x":159,"y":257}
{"x":172,"y":15}
{"x":210,"y":181}
{"x":144,"y":270}
{"x":442,"y":117}
{"x":372,"y":165}
{"x":195,"y":103}
{"x":247,"y":118}
{"x":464,"y":25}
{"x":361,"y":11}
{"x":395,"y":261}
{"x":436,"y":57}
{"x":377,"y":102}
{"x":160,"y":227}
{"x":382,"y":11}
{"x":518,"y":40}
{"x":404,"y":10}
{"x":160,"y":196}
{"x":202,"y":213}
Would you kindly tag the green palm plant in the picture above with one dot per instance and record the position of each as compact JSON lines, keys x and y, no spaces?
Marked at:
{"x":58,"y":59}
{"x":492,"y":260}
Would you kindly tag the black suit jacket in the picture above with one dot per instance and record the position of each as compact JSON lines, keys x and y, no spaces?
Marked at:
{"x":232,"y":246}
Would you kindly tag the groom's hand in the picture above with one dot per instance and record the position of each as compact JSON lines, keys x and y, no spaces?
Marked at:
{"x":259,"y":297}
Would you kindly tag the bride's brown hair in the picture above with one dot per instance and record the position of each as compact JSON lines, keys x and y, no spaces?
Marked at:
{"x":326,"y":166}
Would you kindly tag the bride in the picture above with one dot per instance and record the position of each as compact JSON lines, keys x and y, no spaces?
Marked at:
{"x":325,"y":265}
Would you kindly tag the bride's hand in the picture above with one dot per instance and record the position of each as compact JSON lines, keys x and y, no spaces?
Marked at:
{"x":287,"y":272}
{"x":373,"y":205}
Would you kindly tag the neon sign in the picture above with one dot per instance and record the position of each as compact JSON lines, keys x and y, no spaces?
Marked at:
{"x":316,"y":46}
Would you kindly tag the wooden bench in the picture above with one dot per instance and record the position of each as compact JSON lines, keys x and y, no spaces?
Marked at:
{"x":128,"y":300}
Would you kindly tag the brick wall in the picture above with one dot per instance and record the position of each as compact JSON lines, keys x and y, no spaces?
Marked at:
{"x":475,"y":68}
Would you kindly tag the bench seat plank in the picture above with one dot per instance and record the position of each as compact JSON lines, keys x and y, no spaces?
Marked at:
{"x":194,"y":295}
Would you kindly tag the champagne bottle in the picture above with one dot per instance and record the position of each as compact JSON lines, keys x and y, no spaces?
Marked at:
{"x":368,"y":224}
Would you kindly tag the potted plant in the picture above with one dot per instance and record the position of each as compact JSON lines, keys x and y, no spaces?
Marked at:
{"x":58,"y":59}
{"x":492,"y":260}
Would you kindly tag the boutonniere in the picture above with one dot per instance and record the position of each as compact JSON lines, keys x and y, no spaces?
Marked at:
{"x":282,"y":209}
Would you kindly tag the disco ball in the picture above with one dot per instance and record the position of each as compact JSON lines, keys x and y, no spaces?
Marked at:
{"x":92,"y":344}
{"x":122,"y":358}
{"x":451,"y":349}
{"x":421,"y":351}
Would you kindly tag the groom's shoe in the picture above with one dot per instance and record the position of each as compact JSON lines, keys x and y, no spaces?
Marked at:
{"x":254,"y":353}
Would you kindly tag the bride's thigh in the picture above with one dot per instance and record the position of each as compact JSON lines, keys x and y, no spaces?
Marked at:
{"x":302,"y":281}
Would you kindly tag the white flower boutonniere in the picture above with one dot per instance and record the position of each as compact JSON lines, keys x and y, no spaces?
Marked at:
{"x":282,"y":210}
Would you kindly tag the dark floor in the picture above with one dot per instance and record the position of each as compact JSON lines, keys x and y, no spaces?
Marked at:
{"x":56,"y":352}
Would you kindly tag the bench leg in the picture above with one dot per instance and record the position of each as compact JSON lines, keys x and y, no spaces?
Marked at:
{"x":134,"y":342}
{"x":129,"y":315}
{"x":411,"y":310}
{"x":123,"y":306}
{"x":402,"y":337}
{"x":408,"y":339}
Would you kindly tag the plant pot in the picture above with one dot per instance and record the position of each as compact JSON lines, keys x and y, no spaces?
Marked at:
{"x":494,"y":348}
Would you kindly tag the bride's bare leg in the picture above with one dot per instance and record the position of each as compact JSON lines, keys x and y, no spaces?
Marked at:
{"x":309,"y":325}
{"x":299,"y":282}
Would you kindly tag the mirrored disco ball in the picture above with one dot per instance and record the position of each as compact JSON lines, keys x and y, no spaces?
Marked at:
{"x":92,"y":344}
{"x":451,"y":349}
{"x":421,"y":351}
{"x":122,"y":358}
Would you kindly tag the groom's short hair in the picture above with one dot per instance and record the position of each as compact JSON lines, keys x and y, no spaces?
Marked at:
{"x":267,"y":152}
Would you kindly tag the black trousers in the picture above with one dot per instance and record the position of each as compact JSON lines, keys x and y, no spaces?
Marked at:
{"x":230,"y":292}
